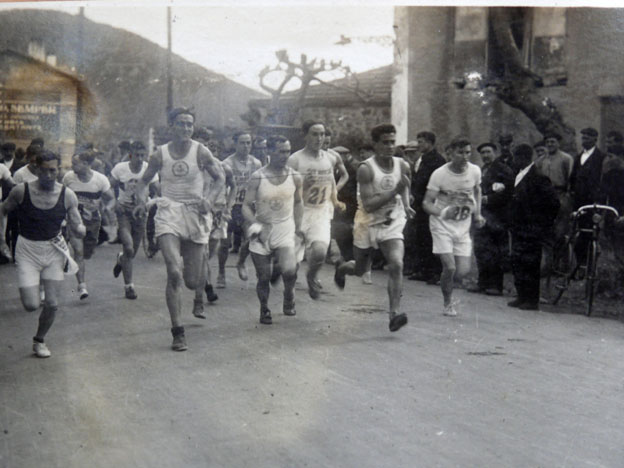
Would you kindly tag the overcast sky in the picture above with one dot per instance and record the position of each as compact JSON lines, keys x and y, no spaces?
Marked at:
{"x":239,"y":41}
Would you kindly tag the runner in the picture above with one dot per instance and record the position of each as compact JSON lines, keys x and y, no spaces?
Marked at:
{"x":317,"y":167}
{"x":453,"y":195}
{"x":41,"y":207}
{"x":224,"y":199}
{"x":183,"y":216}
{"x":124,"y":177}
{"x":91,"y":188}
{"x":273,"y":209}
{"x":242,"y":164}
{"x":383,"y":209}
{"x":6,"y":184}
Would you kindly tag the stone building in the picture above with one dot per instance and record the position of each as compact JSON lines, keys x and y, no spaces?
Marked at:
{"x":350,"y":114}
{"x":38,"y":99}
{"x":578,"y":53}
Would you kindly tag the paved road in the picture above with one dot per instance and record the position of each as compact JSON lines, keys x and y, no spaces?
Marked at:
{"x":330,"y":387}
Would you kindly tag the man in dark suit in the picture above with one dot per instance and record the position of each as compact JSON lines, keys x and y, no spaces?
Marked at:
{"x":532,"y":212}
{"x":586,"y":184}
{"x":491,"y":241}
{"x":428,"y":266}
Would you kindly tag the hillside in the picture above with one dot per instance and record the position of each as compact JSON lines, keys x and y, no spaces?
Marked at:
{"x":126,"y":73}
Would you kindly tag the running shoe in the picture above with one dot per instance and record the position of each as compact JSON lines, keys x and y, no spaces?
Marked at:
{"x":210,"y":294}
{"x":179,"y":343}
{"x":41,"y":350}
{"x":289,"y":309}
{"x":397,"y":321}
{"x":130,"y":293}
{"x":198,"y":309}
{"x":242,"y":271}
{"x":339,"y":277}
{"x":367,"y":278}
{"x":313,"y":289}
{"x":117,"y":267}
{"x":265,"y":317}
{"x":450,"y":310}
{"x":221,"y":281}
{"x":82,"y":291}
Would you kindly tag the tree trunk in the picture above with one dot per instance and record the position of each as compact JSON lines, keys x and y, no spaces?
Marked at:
{"x":518,"y":88}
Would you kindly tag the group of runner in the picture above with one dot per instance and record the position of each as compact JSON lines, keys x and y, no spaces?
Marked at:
{"x":280,"y":211}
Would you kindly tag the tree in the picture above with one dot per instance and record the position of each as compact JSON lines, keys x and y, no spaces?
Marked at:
{"x":514,"y":83}
{"x":306,"y":72}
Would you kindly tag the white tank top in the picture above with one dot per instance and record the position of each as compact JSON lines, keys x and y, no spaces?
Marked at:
{"x":318,"y":179}
{"x":274,"y":203}
{"x":382,"y":182}
{"x":181,"y":179}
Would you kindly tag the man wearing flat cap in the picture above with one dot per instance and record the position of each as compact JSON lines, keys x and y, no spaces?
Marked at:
{"x":505,"y":140}
{"x":491,"y":241}
{"x":585,"y":182}
{"x":426,"y":265}
{"x":557,"y":166}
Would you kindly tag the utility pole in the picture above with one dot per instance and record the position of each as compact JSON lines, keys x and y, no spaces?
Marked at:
{"x":169,"y":77}
{"x":79,"y":134}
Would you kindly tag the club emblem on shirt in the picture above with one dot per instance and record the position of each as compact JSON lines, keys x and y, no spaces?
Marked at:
{"x":276,"y":204}
{"x":387,"y":183}
{"x":180,"y":169}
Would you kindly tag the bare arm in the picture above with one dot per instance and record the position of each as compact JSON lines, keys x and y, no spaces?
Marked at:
{"x":73,"y":216}
{"x":250,"y":198}
{"x":153,"y":166}
{"x":230,"y":186}
{"x":11,"y":203}
{"x":298,"y":208}
{"x":343,"y":177}
{"x":370,"y":199}
{"x":211,"y":165}
{"x":429,"y":203}
{"x":405,"y":193}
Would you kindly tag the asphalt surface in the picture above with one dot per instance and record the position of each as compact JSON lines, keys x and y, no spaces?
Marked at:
{"x":330,"y":387}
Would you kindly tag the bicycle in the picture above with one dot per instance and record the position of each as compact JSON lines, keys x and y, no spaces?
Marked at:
{"x":588,"y":270}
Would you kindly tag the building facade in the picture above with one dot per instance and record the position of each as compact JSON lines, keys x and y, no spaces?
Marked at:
{"x":445,"y":56}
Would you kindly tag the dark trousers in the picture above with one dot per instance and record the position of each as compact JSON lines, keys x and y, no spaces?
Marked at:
{"x":526,"y":255}
{"x":425,"y":261}
{"x":490,"y":248}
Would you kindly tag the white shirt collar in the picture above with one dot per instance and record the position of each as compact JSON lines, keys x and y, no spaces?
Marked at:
{"x":522,"y":173}
{"x":586,"y":154}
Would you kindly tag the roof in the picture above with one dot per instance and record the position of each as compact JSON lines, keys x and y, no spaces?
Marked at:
{"x":375,"y":87}
{"x":45,"y":65}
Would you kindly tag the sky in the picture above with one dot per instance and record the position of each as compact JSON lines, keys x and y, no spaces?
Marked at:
{"x":239,"y":41}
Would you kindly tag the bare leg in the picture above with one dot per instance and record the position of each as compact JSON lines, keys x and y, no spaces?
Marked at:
{"x":393,"y":252}
{"x":288,"y":266}
{"x":316,"y":257}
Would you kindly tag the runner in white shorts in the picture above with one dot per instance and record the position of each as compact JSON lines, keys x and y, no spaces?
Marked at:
{"x":224,"y":199}
{"x":317,"y":167}
{"x":91,"y":188}
{"x":273,"y":211}
{"x":453,"y":199}
{"x":41,"y":253}
{"x":183,"y":216}
{"x":124,"y":176}
{"x":383,"y":209}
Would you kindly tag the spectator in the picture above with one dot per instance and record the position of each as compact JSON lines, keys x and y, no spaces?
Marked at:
{"x":533,"y":209}
{"x":505,"y":141}
{"x":426,"y":265}
{"x":491,"y":241}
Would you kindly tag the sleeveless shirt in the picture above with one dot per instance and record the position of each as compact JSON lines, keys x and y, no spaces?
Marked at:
{"x":382,"y":182}
{"x":181,"y":179}
{"x":40,"y":225}
{"x":274,"y":203}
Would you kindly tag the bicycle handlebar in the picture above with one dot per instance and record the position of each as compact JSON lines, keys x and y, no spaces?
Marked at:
{"x":596,"y":207}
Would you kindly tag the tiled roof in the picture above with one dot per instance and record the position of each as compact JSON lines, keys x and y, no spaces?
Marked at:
{"x":375,"y":86}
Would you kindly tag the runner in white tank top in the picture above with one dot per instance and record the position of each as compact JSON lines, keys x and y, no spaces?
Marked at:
{"x":317,"y":168}
{"x":182,"y":219}
{"x":383,"y":207}
{"x":274,"y":209}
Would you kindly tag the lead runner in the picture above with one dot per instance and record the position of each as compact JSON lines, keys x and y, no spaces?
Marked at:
{"x":183,"y":216}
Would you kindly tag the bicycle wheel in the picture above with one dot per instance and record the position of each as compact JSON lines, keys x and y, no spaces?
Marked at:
{"x":564,"y":271}
{"x":590,"y":275}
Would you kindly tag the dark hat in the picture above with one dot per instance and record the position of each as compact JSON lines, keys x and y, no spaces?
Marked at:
{"x":485,"y":145}
{"x":8,"y":146}
{"x":589,"y":131}
{"x":505,"y":138}
{"x":554,"y":135}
